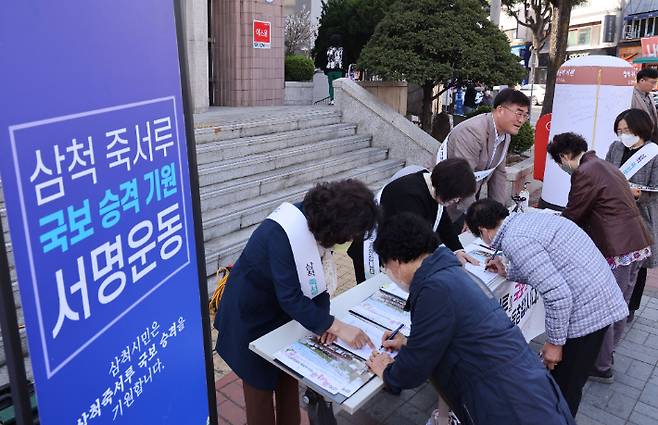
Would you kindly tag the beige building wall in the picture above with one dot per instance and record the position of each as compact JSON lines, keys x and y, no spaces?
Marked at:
{"x":247,"y":76}
{"x":195,"y":19}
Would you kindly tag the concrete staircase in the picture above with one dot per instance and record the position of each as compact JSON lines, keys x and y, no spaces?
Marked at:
{"x":249,"y":164}
{"x":250,"y":160}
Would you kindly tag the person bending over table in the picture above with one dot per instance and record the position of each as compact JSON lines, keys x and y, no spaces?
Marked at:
{"x":601,"y":203}
{"x":286,"y":272}
{"x":556,"y":257}
{"x":460,"y":338}
{"x":483,"y":141}
{"x":425,"y":194}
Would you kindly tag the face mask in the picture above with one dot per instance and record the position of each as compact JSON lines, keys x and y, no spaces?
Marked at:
{"x":400,"y":285}
{"x":484,"y":236}
{"x":629,"y":139}
{"x":566,"y":169}
{"x":342,"y":248}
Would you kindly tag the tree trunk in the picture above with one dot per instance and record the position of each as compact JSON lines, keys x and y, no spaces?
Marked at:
{"x":426,"y":118}
{"x":558,"y":50}
{"x":534,"y":52}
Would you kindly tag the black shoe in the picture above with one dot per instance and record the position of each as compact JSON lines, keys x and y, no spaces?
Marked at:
{"x":631,"y":316}
{"x":605,"y":377}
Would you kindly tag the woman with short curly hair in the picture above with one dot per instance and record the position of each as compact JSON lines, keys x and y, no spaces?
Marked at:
{"x":601,"y":202}
{"x":286,"y":272}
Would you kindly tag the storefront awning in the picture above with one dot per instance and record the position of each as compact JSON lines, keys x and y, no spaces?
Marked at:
{"x":646,"y":59}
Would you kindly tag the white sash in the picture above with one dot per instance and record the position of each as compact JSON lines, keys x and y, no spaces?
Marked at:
{"x":639,"y":160}
{"x":370,"y":257}
{"x":442,"y":154}
{"x":304,"y":248}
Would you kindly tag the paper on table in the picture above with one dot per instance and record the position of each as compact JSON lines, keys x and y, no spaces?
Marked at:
{"x":393,"y":289}
{"x":329,"y":366}
{"x":385,"y":310}
{"x":549,"y":211}
{"x":481,"y":273}
{"x":374,"y":332}
{"x":644,"y":188}
{"x":478,"y":250}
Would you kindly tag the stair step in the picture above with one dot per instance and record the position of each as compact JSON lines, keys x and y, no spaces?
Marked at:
{"x":246,"y":213}
{"x":217,"y":197}
{"x":237,"y":168}
{"x":226,"y":127}
{"x":227,"y":247}
{"x":213,"y":152}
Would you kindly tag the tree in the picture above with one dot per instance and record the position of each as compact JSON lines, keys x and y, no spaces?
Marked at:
{"x":431,"y":42}
{"x":561,"y":17}
{"x":353,"y":20}
{"x":298,"y":32}
{"x":536,"y":17}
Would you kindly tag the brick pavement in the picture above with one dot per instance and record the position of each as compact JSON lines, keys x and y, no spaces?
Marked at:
{"x":631,"y":400}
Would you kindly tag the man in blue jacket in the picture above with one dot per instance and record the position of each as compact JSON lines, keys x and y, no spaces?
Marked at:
{"x":460,"y":338}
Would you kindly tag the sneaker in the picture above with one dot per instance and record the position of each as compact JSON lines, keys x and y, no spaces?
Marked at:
{"x":605,"y":377}
{"x":331,"y":102}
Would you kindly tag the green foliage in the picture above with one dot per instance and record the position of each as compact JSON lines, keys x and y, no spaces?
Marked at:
{"x":438,"y":41}
{"x":524,"y":140}
{"x":519,"y":143}
{"x":298,"y":68}
{"x":482,"y":109}
{"x":353,"y":20}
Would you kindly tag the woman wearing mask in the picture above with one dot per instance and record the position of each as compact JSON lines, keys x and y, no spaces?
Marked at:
{"x":601,"y":203}
{"x":286,"y":272}
{"x":637,"y":157}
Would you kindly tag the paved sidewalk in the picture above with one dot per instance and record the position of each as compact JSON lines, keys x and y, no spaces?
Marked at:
{"x":632,"y":399}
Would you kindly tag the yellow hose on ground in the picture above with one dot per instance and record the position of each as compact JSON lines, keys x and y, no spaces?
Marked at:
{"x":222,"y":277}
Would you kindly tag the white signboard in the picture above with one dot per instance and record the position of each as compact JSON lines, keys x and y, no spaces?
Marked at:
{"x":589,"y":94}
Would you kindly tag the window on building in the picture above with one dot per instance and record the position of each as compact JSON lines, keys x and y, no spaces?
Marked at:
{"x":584,"y":36}
{"x":596,"y":35}
{"x":651,"y":29}
{"x":638,"y":28}
{"x":573,"y":38}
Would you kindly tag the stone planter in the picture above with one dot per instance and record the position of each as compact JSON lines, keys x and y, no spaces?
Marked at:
{"x":392,"y":93}
{"x":298,"y":93}
{"x":517,"y":175}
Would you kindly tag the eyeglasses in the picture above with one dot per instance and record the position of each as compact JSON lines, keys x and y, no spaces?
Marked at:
{"x":519,"y":114}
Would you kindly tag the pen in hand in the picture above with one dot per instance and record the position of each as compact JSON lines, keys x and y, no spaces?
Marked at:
{"x":490,"y":266}
{"x":392,"y":335}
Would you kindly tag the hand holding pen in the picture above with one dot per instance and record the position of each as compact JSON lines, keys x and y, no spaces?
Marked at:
{"x":393,"y":341}
{"x":495,"y":264}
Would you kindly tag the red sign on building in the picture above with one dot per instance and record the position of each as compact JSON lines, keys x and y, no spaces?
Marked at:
{"x":262,"y":34}
{"x":649,"y":46}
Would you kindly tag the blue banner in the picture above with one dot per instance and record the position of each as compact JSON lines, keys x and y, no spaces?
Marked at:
{"x":93,"y":157}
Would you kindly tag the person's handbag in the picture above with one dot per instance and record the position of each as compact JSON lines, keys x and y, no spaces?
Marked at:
{"x":320,"y":411}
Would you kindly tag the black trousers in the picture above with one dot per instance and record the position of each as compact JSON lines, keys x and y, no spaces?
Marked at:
{"x":578,"y":357}
{"x":355,"y":252}
{"x":638,"y":290}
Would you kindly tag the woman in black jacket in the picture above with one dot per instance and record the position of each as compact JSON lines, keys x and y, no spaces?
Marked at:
{"x":422,"y":193}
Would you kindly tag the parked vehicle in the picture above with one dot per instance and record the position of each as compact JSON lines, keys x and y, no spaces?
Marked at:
{"x":538,"y":92}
